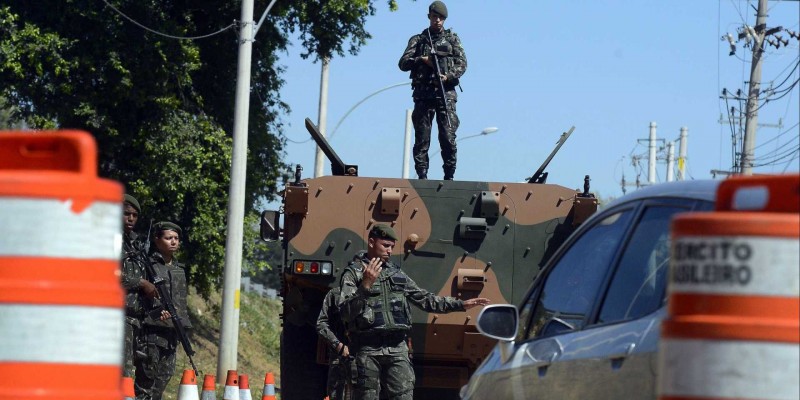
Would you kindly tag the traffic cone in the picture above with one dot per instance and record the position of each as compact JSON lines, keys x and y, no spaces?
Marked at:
{"x":127,"y":388}
{"x":209,"y":388}
{"x":188,"y":388}
{"x":231,"y":386}
{"x":244,"y":388}
{"x":269,"y":387}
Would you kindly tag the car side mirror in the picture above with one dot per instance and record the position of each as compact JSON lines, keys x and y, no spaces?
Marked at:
{"x":499,"y":321}
{"x":270,"y":226}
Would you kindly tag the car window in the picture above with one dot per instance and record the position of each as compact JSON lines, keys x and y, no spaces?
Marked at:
{"x":572,"y":284}
{"x":639,"y":282}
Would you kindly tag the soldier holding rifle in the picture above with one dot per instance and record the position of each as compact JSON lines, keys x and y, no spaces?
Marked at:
{"x":436,"y":61}
{"x":162,"y":331}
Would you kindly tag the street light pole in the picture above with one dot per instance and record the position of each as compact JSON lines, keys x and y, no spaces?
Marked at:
{"x":407,"y":144}
{"x":330,"y":137}
{"x":232,"y":274}
{"x":484,"y":132}
{"x":323,"y":114}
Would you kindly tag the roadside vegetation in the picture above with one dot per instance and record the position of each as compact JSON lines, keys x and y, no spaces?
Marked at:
{"x":259,"y":341}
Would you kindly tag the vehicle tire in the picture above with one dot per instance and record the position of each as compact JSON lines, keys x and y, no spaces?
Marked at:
{"x":301,"y":377}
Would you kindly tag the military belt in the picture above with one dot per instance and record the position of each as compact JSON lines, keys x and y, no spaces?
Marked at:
{"x":378,"y":339}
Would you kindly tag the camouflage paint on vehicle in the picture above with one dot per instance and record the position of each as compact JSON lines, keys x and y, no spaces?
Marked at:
{"x":457,"y":238}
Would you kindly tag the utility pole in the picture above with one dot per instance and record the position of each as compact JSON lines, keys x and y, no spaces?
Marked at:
{"x":670,"y":160}
{"x":651,"y":170}
{"x":755,"y":85}
{"x":232,"y":275}
{"x":407,"y":144}
{"x":682,"y":153}
{"x":229,"y":331}
{"x":323,"y":115}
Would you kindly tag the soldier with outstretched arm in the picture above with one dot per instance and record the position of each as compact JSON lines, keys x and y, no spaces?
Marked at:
{"x":374,"y":304}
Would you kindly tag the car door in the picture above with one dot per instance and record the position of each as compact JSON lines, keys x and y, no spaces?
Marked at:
{"x":634,"y":306}
{"x":559,"y":308}
{"x":609,"y":354}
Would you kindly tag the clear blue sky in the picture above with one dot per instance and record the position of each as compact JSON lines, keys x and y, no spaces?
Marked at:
{"x":536,"y":68}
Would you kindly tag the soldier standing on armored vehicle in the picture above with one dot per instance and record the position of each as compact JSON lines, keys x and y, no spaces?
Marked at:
{"x":133,"y":281}
{"x":436,"y":60}
{"x":374,"y":307}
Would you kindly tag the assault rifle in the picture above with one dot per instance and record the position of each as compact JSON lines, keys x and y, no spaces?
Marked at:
{"x":166,"y":301}
{"x":439,"y":77}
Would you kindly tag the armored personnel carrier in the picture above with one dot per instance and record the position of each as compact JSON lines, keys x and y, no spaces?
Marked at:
{"x":457,"y":238}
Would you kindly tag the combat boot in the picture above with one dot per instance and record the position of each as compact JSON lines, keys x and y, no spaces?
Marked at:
{"x":422,"y":173}
{"x":449,"y":173}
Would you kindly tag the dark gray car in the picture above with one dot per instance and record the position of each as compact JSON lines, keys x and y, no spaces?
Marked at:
{"x":590,"y":323}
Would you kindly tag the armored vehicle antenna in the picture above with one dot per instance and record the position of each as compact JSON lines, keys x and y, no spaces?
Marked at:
{"x":540,"y":176}
{"x":338,"y":167}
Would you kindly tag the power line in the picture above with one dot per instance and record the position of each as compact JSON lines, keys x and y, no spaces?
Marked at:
{"x":778,"y":135}
{"x":233,"y":24}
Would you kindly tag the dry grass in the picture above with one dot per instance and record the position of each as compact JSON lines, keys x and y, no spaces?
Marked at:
{"x":259,"y":341}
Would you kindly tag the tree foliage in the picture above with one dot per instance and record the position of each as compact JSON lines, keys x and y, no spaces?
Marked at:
{"x":161,"y":107}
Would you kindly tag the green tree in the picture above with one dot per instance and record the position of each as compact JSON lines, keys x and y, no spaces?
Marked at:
{"x":161,"y":107}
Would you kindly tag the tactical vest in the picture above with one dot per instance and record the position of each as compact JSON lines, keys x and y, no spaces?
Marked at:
{"x":131,"y":268}
{"x":386,"y":307}
{"x":132,"y":271}
{"x":423,"y":79}
{"x":177,"y":287}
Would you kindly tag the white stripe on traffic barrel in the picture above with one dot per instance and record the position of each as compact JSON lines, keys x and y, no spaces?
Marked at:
{"x":50,"y":228}
{"x":61,"y":334}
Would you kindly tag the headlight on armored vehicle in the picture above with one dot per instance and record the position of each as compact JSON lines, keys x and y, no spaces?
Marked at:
{"x":312,"y":267}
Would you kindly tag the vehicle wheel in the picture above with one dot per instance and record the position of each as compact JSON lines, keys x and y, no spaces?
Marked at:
{"x":301,"y":377}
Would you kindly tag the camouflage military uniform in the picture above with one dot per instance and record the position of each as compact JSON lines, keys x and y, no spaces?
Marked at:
{"x":331,"y":329}
{"x":378,"y":331}
{"x":428,"y":97}
{"x":159,"y":340}
{"x":132,"y":272}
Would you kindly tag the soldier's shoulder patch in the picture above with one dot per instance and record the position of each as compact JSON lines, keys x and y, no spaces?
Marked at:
{"x":355,"y":265}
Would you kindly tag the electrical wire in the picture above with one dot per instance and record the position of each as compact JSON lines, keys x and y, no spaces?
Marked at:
{"x":788,"y":163}
{"x":779,"y":153}
{"x":777,"y":136}
{"x":739,"y":11}
{"x":233,"y":24}
{"x":778,"y":160}
{"x":790,"y":73}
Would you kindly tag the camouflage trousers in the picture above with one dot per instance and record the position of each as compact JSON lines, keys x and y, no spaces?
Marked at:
{"x":422,"y":118}
{"x":337,"y":379}
{"x":389,"y":370}
{"x":132,"y":328}
{"x":156,"y":367}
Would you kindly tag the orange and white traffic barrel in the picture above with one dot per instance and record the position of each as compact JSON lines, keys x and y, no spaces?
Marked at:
{"x":733,"y":325}
{"x":61,"y":304}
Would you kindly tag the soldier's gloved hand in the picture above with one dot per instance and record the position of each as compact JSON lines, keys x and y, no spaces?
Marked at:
{"x":148,"y":288}
{"x":444,"y":77}
{"x":478,"y":301}
{"x":371,"y":272}
{"x":427,"y":61}
{"x":342,"y":350}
